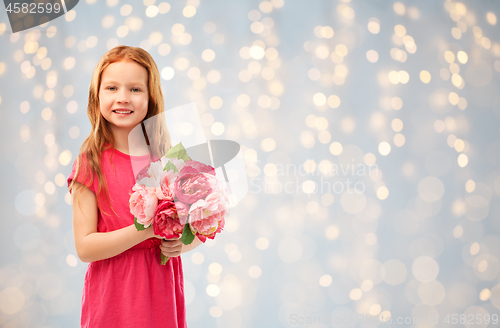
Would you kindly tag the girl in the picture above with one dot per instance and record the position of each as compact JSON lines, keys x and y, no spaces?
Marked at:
{"x":125,"y":284}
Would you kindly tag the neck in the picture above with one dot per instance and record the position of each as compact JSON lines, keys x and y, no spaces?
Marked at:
{"x":121,"y":139}
{"x":130,"y":142}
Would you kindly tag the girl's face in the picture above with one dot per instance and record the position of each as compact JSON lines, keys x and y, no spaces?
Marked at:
{"x":123,"y":95}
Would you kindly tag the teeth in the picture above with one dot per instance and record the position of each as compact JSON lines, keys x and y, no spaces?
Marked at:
{"x":122,"y":112}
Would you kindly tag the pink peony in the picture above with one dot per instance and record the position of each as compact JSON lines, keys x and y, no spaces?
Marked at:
{"x":166,"y":222}
{"x":143,"y":203}
{"x":213,"y":182}
{"x":182,"y":211}
{"x":162,"y":183}
{"x":191,"y":185}
{"x":207,"y":216}
{"x":200,"y":167}
{"x":166,"y":189}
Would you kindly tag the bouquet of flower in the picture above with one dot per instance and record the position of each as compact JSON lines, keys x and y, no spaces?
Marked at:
{"x":179,"y":197}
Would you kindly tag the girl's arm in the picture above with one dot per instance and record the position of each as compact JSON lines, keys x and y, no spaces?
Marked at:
{"x":195,"y":243}
{"x":92,"y":245}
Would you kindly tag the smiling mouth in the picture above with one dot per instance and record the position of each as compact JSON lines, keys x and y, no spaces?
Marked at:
{"x":123,"y":111}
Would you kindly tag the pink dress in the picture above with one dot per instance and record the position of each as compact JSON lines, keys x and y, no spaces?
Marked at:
{"x":131,"y":289}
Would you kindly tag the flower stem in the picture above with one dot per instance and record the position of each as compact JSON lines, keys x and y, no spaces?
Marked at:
{"x":164,"y":259}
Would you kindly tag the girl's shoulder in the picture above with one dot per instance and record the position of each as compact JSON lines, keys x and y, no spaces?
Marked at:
{"x":81,"y":172}
{"x":84,"y":164}
{"x":84,"y":158}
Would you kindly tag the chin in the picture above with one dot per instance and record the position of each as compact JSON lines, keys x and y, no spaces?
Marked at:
{"x":123,"y":125}
{"x":129,"y":126}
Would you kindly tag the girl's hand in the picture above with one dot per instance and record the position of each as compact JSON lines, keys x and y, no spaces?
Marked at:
{"x":171,"y":247}
{"x":152,"y":234}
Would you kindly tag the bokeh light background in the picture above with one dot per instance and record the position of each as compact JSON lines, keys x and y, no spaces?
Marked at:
{"x":407,"y":93}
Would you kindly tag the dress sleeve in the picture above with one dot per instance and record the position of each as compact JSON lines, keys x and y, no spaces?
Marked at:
{"x":85,"y":180}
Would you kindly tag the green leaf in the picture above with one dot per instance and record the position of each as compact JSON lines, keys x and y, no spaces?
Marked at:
{"x":177,"y":151}
{"x":187,"y":235}
{"x":170,"y":166}
{"x":164,"y":259}
{"x":138,"y":226}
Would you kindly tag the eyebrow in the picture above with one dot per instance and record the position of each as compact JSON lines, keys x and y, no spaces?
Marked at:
{"x":114,"y":82}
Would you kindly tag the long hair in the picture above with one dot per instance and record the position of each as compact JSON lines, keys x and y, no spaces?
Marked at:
{"x":101,"y":134}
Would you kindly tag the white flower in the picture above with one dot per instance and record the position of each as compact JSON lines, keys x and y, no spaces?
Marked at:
{"x":155,"y":169}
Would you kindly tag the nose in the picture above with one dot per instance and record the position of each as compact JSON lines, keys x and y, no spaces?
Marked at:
{"x":123,"y":96}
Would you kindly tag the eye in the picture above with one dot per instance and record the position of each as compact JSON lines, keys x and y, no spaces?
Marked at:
{"x":136,"y":89}
{"x":108,"y":88}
